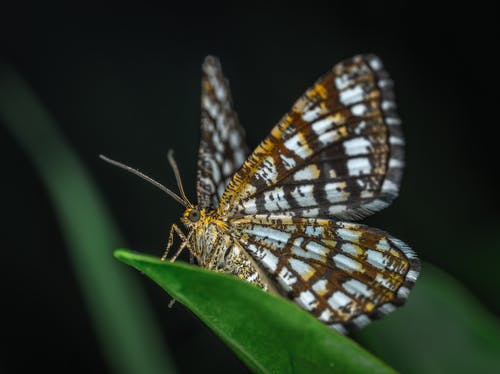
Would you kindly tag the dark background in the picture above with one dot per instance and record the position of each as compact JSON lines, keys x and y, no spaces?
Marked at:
{"x":125,"y":81}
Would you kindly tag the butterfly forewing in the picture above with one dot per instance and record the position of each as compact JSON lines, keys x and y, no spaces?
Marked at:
{"x":343,"y":273}
{"x":337,"y":154}
{"x":222,"y":147}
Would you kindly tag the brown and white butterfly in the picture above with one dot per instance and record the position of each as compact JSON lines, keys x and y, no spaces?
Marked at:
{"x":280,"y":218}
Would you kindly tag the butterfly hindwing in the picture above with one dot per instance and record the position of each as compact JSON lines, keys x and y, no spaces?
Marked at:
{"x":345,"y":274}
{"x":337,"y":154}
{"x":222,"y":147}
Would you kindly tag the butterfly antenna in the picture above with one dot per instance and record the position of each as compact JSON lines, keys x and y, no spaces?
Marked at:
{"x":173,"y":164}
{"x":146,"y":178}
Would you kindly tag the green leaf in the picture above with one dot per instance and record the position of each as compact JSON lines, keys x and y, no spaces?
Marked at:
{"x":120,"y":313}
{"x":270,"y":334}
{"x":442,"y":329}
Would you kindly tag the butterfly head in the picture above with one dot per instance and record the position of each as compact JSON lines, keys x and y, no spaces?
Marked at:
{"x":192,"y":216}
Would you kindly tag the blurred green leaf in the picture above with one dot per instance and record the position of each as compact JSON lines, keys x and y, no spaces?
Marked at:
{"x":270,"y":334}
{"x":442,"y":329}
{"x":124,"y":324}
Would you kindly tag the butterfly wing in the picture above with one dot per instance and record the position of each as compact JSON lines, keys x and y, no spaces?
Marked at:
{"x":222,"y":147}
{"x":345,"y":274}
{"x":337,"y":154}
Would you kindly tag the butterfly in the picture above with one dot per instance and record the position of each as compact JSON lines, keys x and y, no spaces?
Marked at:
{"x":282,"y":218}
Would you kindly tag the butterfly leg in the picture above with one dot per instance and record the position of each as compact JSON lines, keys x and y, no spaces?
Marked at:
{"x":185,"y":243}
{"x":174,"y":229}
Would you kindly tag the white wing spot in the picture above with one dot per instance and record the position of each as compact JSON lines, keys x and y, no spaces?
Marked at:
{"x":221,"y":188}
{"x":314,"y":230}
{"x":325,"y":315}
{"x":275,"y":200}
{"x":412,"y":275}
{"x":376,"y":259}
{"x":262,"y":231}
{"x":396,"y":140}
{"x":286,"y":278}
{"x":239,"y":157}
{"x":288,"y":162}
{"x":382,"y":245}
{"x":375,"y":63}
{"x":348,"y":235}
{"x":298,"y":145}
{"x":358,"y":166}
{"x":322,"y":125}
{"x":329,"y":137}
{"x":215,"y":170}
{"x":393,"y":121}
{"x":303,"y":195}
{"x":345,"y":263}
{"x":361,"y":321}
{"x":270,"y":261}
{"x":360,"y":127}
{"x":339,"y":300}
{"x":301,"y":267}
{"x":351,"y":249}
{"x":339,"y":328}
{"x":356,"y":288}
{"x":336,"y":209}
{"x":357,"y":146}
{"x":389,"y":186}
{"x":313,"y":212}
{"x":376,"y":205}
{"x":395,"y":163}
{"x":317,"y":248}
{"x":388,"y":104}
{"x":358,"y":109}
{"x":387,"y":308}
{"x":351,"y":95}
{"x":384,"y":281}
{"x":250,"y":206}
{"x":209,"y":106}
{"x":311,"y":114}
{"x":336,"y":192}
{"x":310,"y":172}
{"x":298,"y":242}
{"x":320,"y":287}
{"x":234,"y":139}
{"x":403,"y":292}
{"x":227,"y":167}
{"x":383,"y":83}
{"x":342,"y":81}
{"x":307,"y":300}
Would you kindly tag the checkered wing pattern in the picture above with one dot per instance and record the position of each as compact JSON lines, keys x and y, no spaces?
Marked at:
{"x":222,"y":148}
{"x":345,"y":274}
{"x":337,"y":154}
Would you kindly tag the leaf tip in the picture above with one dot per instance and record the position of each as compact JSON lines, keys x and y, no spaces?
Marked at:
{"x":121,"y":254}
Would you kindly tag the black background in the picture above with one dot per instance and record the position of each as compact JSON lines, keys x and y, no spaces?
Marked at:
{"x":124,"y":80}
